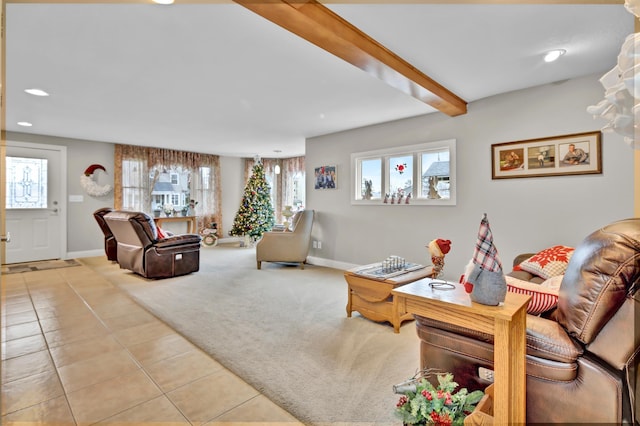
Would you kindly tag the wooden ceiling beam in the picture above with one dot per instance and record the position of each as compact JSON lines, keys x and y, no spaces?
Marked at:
{"x":319,"y":25}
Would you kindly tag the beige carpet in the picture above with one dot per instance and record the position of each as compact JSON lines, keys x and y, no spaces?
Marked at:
{"x":283,"y":330}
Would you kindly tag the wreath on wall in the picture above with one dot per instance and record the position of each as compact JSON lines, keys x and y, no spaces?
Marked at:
{"x":90,"y":185}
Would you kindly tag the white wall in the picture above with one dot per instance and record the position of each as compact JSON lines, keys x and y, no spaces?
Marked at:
{"x":525,"y":214}
{"x":232,"y":177}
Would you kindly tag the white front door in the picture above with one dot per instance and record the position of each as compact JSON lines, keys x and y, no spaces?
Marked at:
{"x":35,"y":202}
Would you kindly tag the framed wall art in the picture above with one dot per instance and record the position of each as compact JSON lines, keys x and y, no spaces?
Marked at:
{"x":326,"y":177}
{"x":575,"y":154}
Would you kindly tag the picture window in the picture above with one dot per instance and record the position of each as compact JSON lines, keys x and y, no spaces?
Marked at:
{"x":424,"y":173}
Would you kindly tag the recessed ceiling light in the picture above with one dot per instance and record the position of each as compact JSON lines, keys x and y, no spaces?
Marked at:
{"x":554,"y":54}
{"x":24,"y":124}
{"x":163,"y":1}
{"x":36,"y":92}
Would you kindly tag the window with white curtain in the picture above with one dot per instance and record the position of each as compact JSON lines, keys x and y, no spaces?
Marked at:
{"x":134,"y":185}
{"x":147,"y":179}
{"x":287,"y":187}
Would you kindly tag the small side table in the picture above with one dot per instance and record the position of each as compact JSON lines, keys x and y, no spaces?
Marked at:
{"x":507,"y":323}
{"x":373,"y":298}
{"x":191,"y":221}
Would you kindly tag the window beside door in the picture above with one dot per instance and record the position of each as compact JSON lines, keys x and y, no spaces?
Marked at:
{"x":26,"y":183}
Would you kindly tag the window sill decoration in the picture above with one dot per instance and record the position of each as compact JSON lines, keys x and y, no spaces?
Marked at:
{"x":421,"y":174}
{"x":90,"y":185}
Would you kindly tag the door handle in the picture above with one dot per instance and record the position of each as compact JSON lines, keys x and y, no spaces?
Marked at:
{"x":6,"y":238}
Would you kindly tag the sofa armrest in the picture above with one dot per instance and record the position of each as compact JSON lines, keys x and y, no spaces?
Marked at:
{"x":548,"y":340}
{"x":178,"y":240}
{"x":521,"y":258}
{"x":283,"y":241}
{"x":526,"y":276}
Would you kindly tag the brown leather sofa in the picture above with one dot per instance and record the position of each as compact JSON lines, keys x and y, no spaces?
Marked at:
{"x":140,"y":250}
{"x":110,"y":245}
{"x":287,"y":246}
{"x":582,"y":357}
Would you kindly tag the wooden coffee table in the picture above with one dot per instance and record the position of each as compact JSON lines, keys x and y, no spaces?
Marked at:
{"x":373,"y":298}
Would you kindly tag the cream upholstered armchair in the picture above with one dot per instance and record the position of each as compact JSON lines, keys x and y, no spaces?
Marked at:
{"x":287,"y":246}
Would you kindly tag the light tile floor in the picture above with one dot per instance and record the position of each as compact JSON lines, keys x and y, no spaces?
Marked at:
{"x":78,"y":351}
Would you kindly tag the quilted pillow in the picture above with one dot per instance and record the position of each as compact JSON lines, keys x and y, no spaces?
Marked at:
{"x":549,"y":262}
{"x":543,"y":296}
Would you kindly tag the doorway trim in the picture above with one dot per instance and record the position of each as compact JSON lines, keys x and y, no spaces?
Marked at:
{"x":63,"y":186}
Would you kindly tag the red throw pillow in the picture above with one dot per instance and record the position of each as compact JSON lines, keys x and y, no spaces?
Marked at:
{"x":549,"y":262}
{"x":160,"y":233}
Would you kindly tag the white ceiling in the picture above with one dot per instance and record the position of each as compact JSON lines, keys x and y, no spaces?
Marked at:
{"x":217,"y":78}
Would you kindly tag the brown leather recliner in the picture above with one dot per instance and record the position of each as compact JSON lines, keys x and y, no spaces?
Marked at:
{"x":582,"y":357}
{"x":110,"y":245}
{"x":140,"y":250}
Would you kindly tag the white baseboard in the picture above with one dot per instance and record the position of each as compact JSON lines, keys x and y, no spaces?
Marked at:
{"x":228,"y":240}
{"x":312,"y":260}
{"x":319,"y":261}
{"x":85,"y":253}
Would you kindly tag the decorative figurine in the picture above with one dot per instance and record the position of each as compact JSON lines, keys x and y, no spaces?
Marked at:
{"x":368,"y":192}
{"x":433,"y":191}
{"x":483,"y":278}
{"x":438,"y":248}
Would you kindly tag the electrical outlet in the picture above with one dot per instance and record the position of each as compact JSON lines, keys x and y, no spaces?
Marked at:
{"x":319,"y":244}
{"x":315,"y":244}
{"x":485,"y":374}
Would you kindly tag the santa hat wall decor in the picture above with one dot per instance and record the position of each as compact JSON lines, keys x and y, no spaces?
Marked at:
{"x":89,"y":184}
{"x":483,"y":277}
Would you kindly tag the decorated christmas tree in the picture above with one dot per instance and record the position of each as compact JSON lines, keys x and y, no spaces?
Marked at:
{"x":255,"y":215}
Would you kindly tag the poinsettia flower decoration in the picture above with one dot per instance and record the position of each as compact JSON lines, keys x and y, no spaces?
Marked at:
{"x":401,"y":168}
